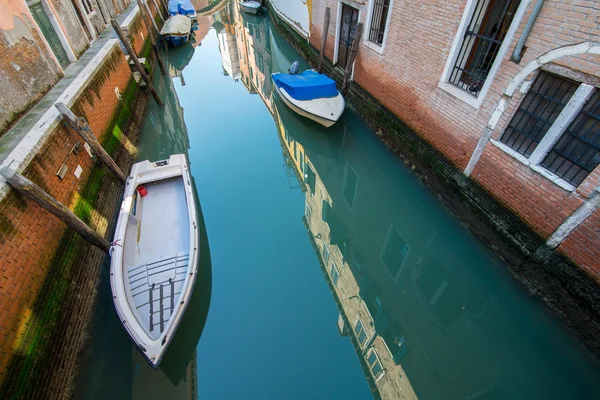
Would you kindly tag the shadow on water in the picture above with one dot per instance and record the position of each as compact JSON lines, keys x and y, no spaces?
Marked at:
{"x":111,"y":366}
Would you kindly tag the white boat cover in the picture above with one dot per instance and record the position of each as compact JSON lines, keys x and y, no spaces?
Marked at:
{"x":177,"y":25}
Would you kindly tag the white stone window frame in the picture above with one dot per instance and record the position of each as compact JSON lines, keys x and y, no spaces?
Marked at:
{"x":338,"y":25}
{"x":558,"y":128}
{"x":444,"y":84}
{"x":382,"y":373}
{"x":371,"y":45}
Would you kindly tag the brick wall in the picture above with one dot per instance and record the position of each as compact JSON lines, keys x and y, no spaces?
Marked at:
{"x":29,"y":235}
{"x":582,"y":245}
{"x":138,"y":34}
{"x":405,"y":80}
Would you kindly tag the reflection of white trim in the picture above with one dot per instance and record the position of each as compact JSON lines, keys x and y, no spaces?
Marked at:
{"x":349,"y":167}
{"x":382,"y":373}
{"x":391,"y":229}
{"x":356,"y":334}
{"x":443,"y":84}
{"x":366,"y":41}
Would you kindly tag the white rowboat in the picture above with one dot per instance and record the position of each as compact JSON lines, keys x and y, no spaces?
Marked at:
{"x":155,"y":253}
{"x":251,"y":7}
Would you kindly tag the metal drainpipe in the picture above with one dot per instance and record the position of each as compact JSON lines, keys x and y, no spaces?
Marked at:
{"x":516,"y":55}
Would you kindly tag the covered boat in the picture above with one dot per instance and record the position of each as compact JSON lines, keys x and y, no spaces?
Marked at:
{"x":312,"y":95}
{"x":182,"y":7}
{"x":154,"y":257}
{"x":251,"y":7}
{"x":176,"y":30}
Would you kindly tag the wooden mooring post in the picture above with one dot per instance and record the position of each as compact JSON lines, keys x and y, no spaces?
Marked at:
{"x":44,"y":200}
{"x":324,"y":38}
{"x":152,"y":21}
{"x":158,"y":11}
{"x":80,"y":125}
{"x":351,"y":57}
{"x":133,"y":56}
{"x":151,"y":36}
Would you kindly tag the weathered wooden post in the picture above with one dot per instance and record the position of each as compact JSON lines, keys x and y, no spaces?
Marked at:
{"x":139,"y":66}
{"x":44,"y":200}
{"x":152,"y":41}
{"x":80,"y":125}
{"x":324,"y":39}
{"x":158,"y":11}
{"x":152,"y":21}
{"x":351,"y":57}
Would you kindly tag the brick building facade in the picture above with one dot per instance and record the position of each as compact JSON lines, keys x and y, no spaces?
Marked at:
{"x":520,"y":124}
{"x":38,"y":40}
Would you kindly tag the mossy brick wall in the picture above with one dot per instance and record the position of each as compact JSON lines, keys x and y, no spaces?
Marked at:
{"x":138,"y":33}
{"x":29,"y":235}
{"x":405,"y":80}
{"x":565,"y":286}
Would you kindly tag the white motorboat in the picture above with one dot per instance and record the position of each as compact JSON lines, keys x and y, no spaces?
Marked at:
{"x":251,"y":7}
{"x":155,"y":253}
{"x":311,"y":95}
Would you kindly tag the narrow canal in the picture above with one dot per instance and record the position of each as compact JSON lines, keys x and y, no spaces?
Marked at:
{"x":327,"y":271}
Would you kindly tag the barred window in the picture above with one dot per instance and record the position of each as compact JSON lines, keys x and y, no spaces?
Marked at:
{"x":481,"y":43}
{"x":379,"y":14}
{"x":577,"y":152}
{"x":539,"y":109}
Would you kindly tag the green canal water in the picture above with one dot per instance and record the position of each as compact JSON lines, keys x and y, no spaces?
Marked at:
{"x":302,"y":224}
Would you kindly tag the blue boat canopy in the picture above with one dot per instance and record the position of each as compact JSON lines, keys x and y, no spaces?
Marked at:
{"x":183,"y":7}
{"x":307,"y":85}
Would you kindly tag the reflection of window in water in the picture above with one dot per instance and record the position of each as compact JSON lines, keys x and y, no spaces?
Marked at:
{"x":335,"y":274}
{"x":350,"y":185}
{"x":437,"y":291}
{"x":302,"y":165}
{"x":308,"y":213}
{"x":361,"y":336}
{"x":374,"y":364}
{"x":325,"y":254}
{"x":394,"y":251}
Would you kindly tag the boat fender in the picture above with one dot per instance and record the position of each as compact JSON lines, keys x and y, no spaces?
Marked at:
{"x":142,"y":190}
{"x":294,"y":68}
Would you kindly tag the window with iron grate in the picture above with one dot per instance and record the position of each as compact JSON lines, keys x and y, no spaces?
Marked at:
{"x":556,"y":129}
{"x":577,"y":153}
{"x":481,"y":43}
{"x":378,"y":24}
{"x":541,"y":106}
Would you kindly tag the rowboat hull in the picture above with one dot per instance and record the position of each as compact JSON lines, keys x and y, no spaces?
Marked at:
{"x":325,"y":111}
{"x":250,"y":7}
{"x":154,"y":257}
{"x":176,"y":40}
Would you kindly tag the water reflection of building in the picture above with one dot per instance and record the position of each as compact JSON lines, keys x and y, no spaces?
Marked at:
{"x":168,"y":122}
{"x":420,"y":301}
{"x":224,"y":24}
{"x":245,"y":45}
